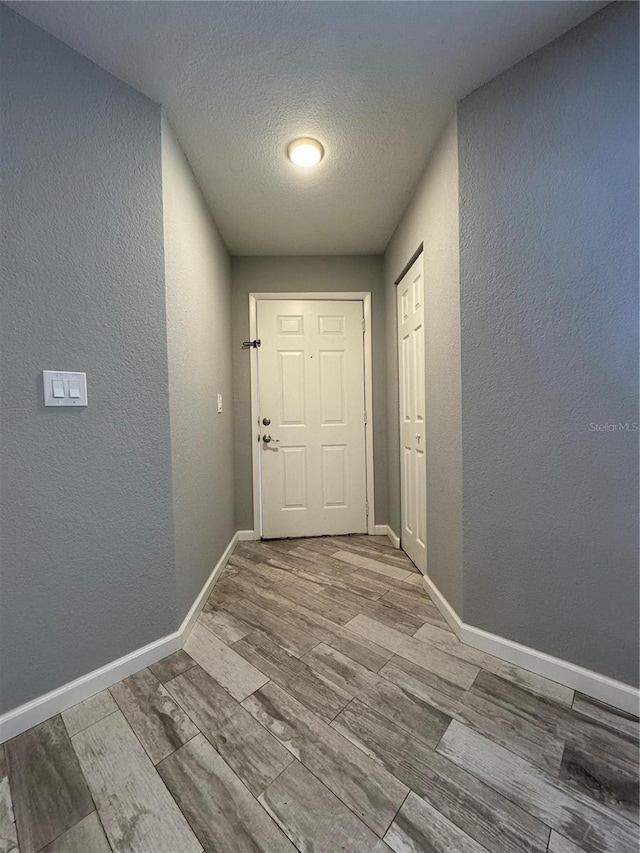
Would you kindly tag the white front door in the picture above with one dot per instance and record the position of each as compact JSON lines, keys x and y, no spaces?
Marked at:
{"x":312,"y":417}
{"x":411,"y":367}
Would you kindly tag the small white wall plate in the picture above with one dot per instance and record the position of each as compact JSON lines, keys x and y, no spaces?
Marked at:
{"x":74,"y":386}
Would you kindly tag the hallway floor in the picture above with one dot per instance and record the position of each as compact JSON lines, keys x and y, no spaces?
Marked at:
{"x":322,"y":704}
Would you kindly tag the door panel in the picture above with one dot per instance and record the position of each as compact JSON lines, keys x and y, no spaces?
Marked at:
{"x":294,"y":477}
{"x":411,"y":366}
{"x":292,"y":387}
{"x":334,"y":476}
{"x":408,"y":505}
{"x":332,"y":388}
{"x":311,"y":387}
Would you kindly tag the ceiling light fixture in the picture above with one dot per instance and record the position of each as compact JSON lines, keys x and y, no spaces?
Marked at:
{"x":305,"y":152}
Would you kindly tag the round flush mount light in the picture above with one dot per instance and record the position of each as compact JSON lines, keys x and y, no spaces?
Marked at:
{"x":305,"y":152}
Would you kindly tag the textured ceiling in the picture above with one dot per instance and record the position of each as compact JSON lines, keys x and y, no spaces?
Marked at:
{"x":374,"y":81}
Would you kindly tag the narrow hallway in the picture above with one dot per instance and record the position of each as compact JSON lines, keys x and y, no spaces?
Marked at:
{"x":322,"y":696}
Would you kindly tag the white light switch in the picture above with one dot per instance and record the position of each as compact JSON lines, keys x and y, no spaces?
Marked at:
{"x":219,"y":404}
{"x":64,"y":388}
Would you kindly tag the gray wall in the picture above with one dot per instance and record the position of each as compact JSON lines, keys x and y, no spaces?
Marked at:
{"x":253,"y":275}
{"x":198,"y":280}
{"x":549,"y":297}
{"x":85,"y":512}
{"x":432,"y":219}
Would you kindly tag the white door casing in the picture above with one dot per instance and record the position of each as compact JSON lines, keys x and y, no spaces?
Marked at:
{"x":411,"y":370}
{"x":310,"y":378}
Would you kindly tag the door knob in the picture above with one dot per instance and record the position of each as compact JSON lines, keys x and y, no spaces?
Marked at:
{"x":417,"y":436}
{"x":267,"y":439}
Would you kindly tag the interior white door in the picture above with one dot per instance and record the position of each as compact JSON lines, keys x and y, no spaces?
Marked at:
{"x":312,"y":417}
{"x":411,"y":365}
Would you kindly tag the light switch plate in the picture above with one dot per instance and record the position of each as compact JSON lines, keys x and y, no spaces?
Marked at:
{"x":78,"y":381}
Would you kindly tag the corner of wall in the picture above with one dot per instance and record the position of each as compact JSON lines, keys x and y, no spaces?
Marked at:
{"x":198,"y":299}
{"x":432,"y":218}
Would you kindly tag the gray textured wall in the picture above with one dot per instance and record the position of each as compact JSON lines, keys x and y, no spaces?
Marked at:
{"x":198,"y":280}
{"x":549,"y":299}
{"x":432,"y":219}
{"x":85,"y":513}
{"x":252,"y":275}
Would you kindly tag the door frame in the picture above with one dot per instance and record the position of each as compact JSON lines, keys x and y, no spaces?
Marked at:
{"x":338,"y":296}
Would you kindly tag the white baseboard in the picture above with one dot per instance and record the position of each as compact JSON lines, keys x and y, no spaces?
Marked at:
{"x":385,"y":530}
{"x":40,"y":709}
{"x":601,"y":687}
{"x":593,"y":684}
{"x":190,"y":619}
{"x":247,"y":536}
{"x":393,"y":537}
{"x":455,"y":623}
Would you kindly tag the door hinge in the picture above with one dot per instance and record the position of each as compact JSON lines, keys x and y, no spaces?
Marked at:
{"x":366,"y":508}
{"x":366,"y":420}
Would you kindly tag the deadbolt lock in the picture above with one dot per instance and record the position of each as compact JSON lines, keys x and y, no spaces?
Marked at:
{"x":266,"y":421}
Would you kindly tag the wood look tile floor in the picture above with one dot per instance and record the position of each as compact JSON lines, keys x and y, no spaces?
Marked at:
{"x":322,"y":704}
